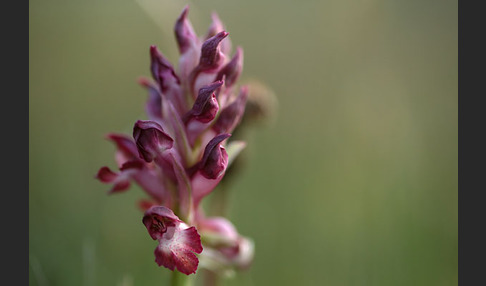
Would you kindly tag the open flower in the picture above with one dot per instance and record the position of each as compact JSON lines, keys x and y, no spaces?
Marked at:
{"x":177,"y":241}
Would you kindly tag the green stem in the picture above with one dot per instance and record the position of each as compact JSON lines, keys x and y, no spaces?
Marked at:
{"x":180,"y":279}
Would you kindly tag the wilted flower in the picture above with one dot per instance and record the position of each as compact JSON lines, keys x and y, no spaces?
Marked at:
{"x":180,"y":154}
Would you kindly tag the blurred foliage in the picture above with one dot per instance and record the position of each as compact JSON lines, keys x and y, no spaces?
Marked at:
{"x":355,"y":183}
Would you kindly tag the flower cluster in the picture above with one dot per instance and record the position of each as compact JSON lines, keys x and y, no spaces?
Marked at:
{"x":180,"y":154}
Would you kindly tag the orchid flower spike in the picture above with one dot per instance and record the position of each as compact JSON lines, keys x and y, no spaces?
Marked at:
{"x":180,"y":153}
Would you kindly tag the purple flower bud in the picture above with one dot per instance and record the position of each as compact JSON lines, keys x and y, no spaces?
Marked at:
{"x":215,"y":158}
{"x":216,"y":27}
{"x":211,"y":56}
{"x":232,"y":70}
{"x":206,"y":106}
{"x":162,"y":70}
{"x":231,"y":115}
{"x":185,"y":36}
{"x":177,"y":241}
{"x":151,"y":139}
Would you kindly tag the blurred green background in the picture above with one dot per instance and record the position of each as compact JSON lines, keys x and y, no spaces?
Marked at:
{"x":355,"y":183}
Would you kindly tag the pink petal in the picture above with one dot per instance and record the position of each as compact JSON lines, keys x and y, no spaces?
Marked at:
{"x":202,"y":186}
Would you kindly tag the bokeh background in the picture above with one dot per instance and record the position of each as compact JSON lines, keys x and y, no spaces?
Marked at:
{"x":354,"y":182}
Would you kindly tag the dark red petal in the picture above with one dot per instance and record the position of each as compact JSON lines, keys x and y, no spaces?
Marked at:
{"x":193,"y":240}
{"x":120,"y":182}
{"x":106,"y":175}
{"x":122,"y":185}
{"x":133,"y":164}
